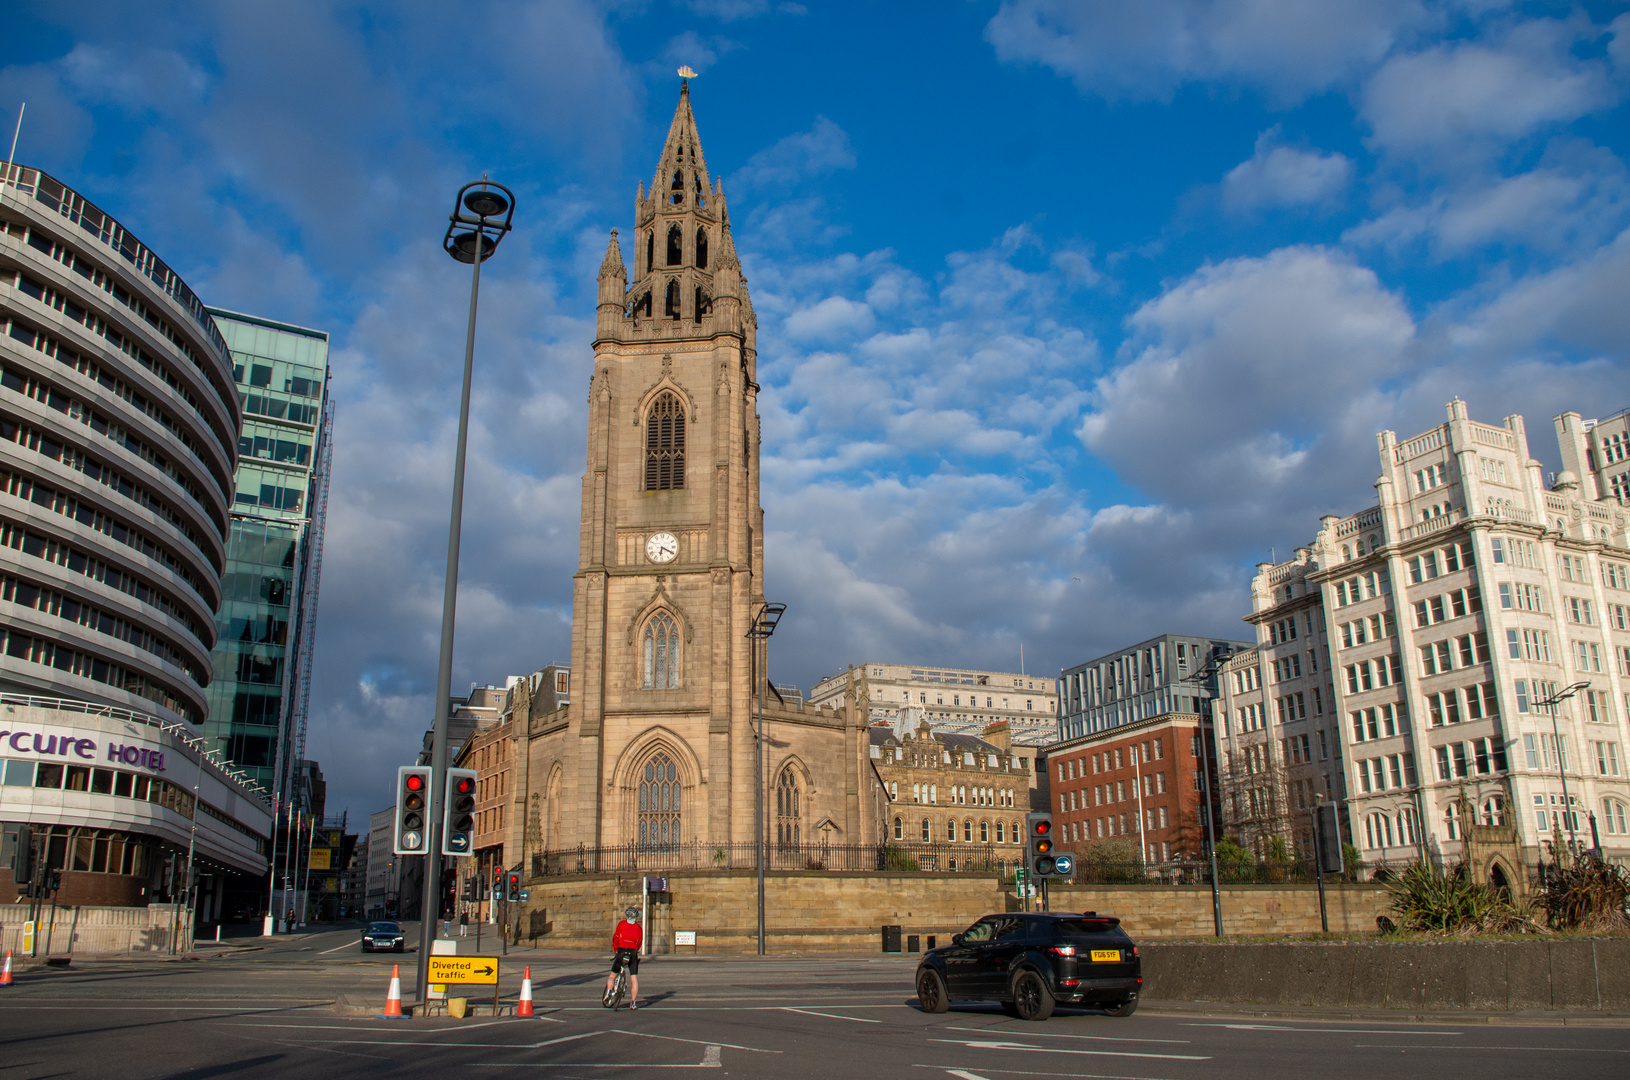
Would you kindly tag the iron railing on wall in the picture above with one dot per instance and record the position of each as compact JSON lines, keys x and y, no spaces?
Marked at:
{"x":997,"y":859}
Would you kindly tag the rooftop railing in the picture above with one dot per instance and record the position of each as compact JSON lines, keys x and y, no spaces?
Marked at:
{"x":130,"y":716}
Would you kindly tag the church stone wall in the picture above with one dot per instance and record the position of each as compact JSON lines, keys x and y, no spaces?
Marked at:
{"x":819,"y":911}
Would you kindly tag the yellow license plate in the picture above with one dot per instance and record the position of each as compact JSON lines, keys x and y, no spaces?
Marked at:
{"x":1101,"y":955}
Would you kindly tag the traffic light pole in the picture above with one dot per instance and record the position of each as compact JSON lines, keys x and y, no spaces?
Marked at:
{"x":430,"y":904}
{"x":1318,"y":864}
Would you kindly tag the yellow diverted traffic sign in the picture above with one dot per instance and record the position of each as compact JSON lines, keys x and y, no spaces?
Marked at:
{"x":464,"y":970}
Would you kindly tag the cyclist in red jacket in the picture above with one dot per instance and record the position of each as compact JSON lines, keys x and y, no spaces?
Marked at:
{"x":626,"y":940}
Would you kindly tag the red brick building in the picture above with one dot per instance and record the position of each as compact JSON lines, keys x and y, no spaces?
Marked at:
{"x":1139,"y":782}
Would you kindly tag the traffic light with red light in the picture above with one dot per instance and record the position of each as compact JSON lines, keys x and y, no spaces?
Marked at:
{"x":412,"y":810}
{"x":458,"y":813}
{"x":513,"y":890}
{"x":1039,"y":855}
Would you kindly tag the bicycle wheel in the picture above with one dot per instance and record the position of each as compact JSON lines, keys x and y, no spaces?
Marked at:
{"x":619,"y":987}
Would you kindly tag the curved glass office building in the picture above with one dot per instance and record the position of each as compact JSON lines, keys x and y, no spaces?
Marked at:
{"x":119,"y":424}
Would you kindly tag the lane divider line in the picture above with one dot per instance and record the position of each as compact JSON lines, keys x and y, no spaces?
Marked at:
{"x":994,"y":1045}
{"x":829,"y":1016}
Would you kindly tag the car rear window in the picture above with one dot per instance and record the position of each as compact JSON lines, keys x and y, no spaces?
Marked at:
{"x":1069,"y":928}
{"x":383,"y":928}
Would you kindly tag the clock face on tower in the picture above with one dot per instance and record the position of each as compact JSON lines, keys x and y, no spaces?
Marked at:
{"x":661,"y":547}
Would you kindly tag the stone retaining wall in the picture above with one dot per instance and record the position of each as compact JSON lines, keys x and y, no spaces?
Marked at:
{"x":1555,"y":973}
{"x":830,"y":911}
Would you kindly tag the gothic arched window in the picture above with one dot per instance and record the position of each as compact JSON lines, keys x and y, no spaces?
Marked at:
{"x":702,"y":304}
{"x":678,"y":189}
{"x":658,"y":808}
{"x":661,"y":647}
{"x":701,"y":248}
{"x":788,"y":809}
{"x":650,"y":252}
{"x":676,"y":246}
{"x":670,"y":304}
{"x":665,"y":444}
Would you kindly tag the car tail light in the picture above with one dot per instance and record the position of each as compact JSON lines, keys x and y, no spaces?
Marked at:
{"x":1134,"y":950}
{"x":1062,"y":950}
{"x":1069,"y":982}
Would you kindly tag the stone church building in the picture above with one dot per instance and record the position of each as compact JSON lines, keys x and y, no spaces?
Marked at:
{"x":655,"y":752}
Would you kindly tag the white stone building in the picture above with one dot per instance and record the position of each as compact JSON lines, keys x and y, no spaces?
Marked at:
{"x":1455,"y":609}
{"x":960,"y":701}
{"x":1598,"y":452}
{"x":1278,"y":731}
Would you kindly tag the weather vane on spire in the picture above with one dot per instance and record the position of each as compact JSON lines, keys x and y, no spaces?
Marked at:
{"x":685,"y":72}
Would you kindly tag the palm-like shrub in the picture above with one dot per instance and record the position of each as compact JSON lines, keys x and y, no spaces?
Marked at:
{"x":1590,"y":895}
{"x":1454,"y":903}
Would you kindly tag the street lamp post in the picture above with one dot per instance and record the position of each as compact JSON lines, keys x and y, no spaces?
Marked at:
{"x":1199,"y":679}
{"x":1561,"y":769}
{"x":759,"y":632}
{"x":481,"y":217}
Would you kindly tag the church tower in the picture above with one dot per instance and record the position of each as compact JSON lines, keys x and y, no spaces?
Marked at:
{"x":670,"y":563}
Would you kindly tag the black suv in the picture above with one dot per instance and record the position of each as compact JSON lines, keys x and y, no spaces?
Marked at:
{"x":1029,"y":963}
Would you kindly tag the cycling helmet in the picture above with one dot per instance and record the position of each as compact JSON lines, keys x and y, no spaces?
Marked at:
{"x":631,"y":914}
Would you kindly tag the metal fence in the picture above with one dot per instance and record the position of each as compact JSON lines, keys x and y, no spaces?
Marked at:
{"x":997,"y":859}
{"x":694,"y":855}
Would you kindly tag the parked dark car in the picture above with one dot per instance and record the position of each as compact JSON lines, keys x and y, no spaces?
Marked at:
{"x":383,"y":935}
{"x":1030,"y":963}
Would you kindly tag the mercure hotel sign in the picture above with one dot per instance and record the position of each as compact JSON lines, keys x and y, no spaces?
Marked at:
{"x":47,"y":744}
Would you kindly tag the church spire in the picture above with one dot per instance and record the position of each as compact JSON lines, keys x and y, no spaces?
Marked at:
{"x":612,"y":264}
{"x":681,"y":151}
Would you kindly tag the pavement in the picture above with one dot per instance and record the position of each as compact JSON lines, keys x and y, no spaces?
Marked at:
{"x":276,"y":1007}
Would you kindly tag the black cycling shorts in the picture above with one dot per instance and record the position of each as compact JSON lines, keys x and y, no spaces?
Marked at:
{"x":631,"y":957}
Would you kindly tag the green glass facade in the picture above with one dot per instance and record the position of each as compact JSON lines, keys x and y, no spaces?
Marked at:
{"x":262,"y":658}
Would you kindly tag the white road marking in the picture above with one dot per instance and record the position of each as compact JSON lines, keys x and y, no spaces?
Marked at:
{"x":1055,"y":1035}
{"x":963,"y":1075}
{"x":1024,"y":1072}
{"x":1547,"y":1049}
{"x":353,"y":1027}
{"x":994,"y":1045}
{"x":1345,"y":1031}
{"x":337,"y":948}
{"x":829,"y":1016}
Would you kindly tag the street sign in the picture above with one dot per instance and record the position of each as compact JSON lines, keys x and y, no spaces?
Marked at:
{"x":464,"y":970}
{"x":1064,"y":865}
{"x":526,"y":895}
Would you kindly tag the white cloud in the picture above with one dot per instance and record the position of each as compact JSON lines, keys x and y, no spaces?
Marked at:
{"x":1236,"y":375}
{"x":1472,"y":97}
{"x":803,"y":156}
{"x":1282,"y":176}
{"x":1148,"y":49}
{"x":1577,"y":307}
{"x":1562,"y":205}
{"x":830,"y":319}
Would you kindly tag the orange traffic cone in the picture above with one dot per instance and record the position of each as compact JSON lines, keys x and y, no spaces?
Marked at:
{"x":393,"y":999}
{"x":5,"y":977}
{"x":524,"y":1006}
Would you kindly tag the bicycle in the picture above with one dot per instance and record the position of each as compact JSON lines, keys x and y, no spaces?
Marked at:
{"x":619,"y":987}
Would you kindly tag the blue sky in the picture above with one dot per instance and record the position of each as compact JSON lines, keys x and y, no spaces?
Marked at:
{"x":1070,"y":312}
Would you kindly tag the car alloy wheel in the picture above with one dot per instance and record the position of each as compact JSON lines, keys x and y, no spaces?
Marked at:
{"x":1031,"y":997}
{"x":931,"y":993}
